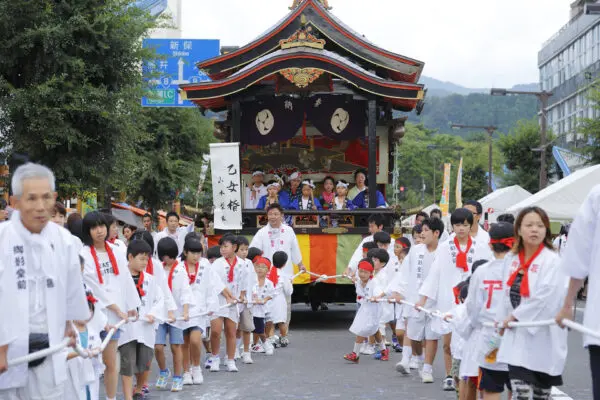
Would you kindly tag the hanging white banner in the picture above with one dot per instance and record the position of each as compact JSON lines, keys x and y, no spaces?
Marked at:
{"x":227,"y":198}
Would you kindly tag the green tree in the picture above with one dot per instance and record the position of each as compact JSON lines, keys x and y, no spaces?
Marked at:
{"x":590,"y":127}
{"x":70,"y":86}
{"x":523,"y":163}
{"x":171,"y":157}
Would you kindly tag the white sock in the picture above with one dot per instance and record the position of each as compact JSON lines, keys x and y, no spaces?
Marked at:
{"x":381,"y":345}
{"x":238,"y":342}
{"x":427,"y":368}
{"x":406,"y":352}
{"x":421,"y":357}
{"x":357,"y":347}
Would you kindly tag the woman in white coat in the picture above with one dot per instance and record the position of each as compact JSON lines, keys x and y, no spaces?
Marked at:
{"x":105,"y":272}
{"x":534,"y":290}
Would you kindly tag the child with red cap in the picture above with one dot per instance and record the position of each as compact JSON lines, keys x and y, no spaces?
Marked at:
{"x":366,"y":321}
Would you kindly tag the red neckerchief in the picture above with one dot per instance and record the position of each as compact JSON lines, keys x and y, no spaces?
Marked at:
{"x":461,"y":257}
{"x":150,"y":266}
{"x":111,"y":257}
{"x":456,"y":292}
{"x":524,"y":266}
{"x":192,"y":277}
{"x":140,"y":284}
{"x":328,"y":197}
{"x":171,"y":275}
{"x":231,"y":269}
{"x":112,"y":241}
{"x":273,"y":276}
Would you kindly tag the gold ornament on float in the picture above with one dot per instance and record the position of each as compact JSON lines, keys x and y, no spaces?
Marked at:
{"x":301,"y":77}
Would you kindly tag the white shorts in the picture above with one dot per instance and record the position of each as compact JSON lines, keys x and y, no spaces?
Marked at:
{"x":40,"y":385}
{"x":279,"y":309}
{"x":419,"y":328}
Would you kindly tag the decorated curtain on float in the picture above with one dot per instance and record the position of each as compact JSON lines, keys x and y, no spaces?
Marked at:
{"x":321,"y":254}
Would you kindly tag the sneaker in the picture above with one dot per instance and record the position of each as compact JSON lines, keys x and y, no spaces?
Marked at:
{"x":207,"y":362}
{"x":397,"y":347}
{"x":236,"y":356}
{"x":403,"y":367}
{"x":246,"y":358}
{"x":145,"y":390}
{"x":177,"y":384}
{"x":353,"y":357}
{"x":448,"y":384}
{"x":269,"y":349}
{"x":197,"y":377}
{"x":187,"y":378}
{"x":369,"y":350}
{"x":427,"y":377}
{"x":138,"y":396}
{"x":231,"y":367}
{"x":284,"y":341}
{"x":385,"y":355}
{"x":257,"y":348}
{"x":163,"y":377}
{"x":215,"y":364}
{"x":377,"y":355}
{"x":415,"y":363}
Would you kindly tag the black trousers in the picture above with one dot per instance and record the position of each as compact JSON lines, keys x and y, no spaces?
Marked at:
{"x":595,"y":364}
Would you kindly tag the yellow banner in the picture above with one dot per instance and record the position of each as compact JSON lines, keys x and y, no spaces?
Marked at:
{"x":459,"y":202}
{"x":445,"y":200}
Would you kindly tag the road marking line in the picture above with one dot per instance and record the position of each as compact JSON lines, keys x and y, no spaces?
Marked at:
{"x":559,"y":394}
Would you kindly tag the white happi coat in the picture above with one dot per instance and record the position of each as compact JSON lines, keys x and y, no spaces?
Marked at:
{"x":541,"y":349}
{"x":178,"y":236}
{"x":240,"y":283}
{"x":182,"y":294}
{"x":252,"y":196}
{"x":486,"y":294}
{"x":261,"y":293}
{"x":52,"y":252}
{"x":413,"y":272}
{"x":152,"y":303}
{"x":444,"y":273}
{"x":205,"y":289}
{"x":115,"y":289}
{"x":84,"y":371}
{"x":382,"y":280}
{"x":251,"y":281}
{"x":278,"y":306}
{"x":271,"y":240}
{"x":581,"y":258}
{"x":367,"y":318}
{"x":161,"y":279}
{"x":357,"y":255}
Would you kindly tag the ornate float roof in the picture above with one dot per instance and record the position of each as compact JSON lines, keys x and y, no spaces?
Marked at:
{"x":309,"y":51}
{"x":339,"y":37}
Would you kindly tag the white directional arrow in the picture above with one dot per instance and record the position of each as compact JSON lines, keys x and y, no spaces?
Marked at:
{"x":180,"y":80}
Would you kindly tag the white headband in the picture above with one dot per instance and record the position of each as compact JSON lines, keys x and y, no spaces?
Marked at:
{"x":276,"y":184}
{"x":295,"y":175}
{"x":341,"y":184}
{"x":257,"y":173}
{"x":309,"y":183}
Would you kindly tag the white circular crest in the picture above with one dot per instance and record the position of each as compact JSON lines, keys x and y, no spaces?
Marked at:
{"x":265,"y":122}
{"x":340,"y":120}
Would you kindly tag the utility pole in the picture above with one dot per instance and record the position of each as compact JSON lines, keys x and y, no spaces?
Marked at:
{"x":543,"y":97}
{"x":490,"y":131}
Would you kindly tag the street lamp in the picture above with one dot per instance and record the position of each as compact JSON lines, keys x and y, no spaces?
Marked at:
{"x":490,"y":130}
{"x":437,"y":147}
{"x":543,"y":96}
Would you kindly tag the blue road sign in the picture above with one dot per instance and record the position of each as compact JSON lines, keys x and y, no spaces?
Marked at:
{"x":178,"y":67}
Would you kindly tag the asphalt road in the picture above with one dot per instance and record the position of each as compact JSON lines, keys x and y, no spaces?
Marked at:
{"x":312,"y":367}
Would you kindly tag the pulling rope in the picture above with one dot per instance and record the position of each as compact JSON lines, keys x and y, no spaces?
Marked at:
{"x":323,"y":277}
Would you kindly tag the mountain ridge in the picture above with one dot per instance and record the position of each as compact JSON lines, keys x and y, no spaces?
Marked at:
{"x":438,"y":88}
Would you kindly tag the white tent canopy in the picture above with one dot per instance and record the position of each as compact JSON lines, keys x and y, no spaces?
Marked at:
{"x":563,"y":199}
{"x":500,"y":200}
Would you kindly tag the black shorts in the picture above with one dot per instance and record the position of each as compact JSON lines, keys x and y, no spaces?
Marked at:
{"x":259,"y":325}
{"x":493,"y":381}
{"x":539,"y":379}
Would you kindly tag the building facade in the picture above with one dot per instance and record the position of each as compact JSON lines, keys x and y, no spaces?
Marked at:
{"x":569,"y":63}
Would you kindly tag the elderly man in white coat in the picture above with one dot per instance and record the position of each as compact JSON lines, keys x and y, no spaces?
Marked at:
{"x":40,"y":259}
{"x":277,"y":236}
{"x":580,"y":260}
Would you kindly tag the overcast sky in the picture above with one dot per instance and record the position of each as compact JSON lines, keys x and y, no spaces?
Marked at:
{"x":474,"y":43}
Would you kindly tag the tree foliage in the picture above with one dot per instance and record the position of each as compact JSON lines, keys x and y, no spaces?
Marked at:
{"x":523,"y":163}
{"x":418,"y":164}
{"x":171,"y":158}
{"x":475,"y":109}
{"x":590,"y":127}
{"x":70,"y":85}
